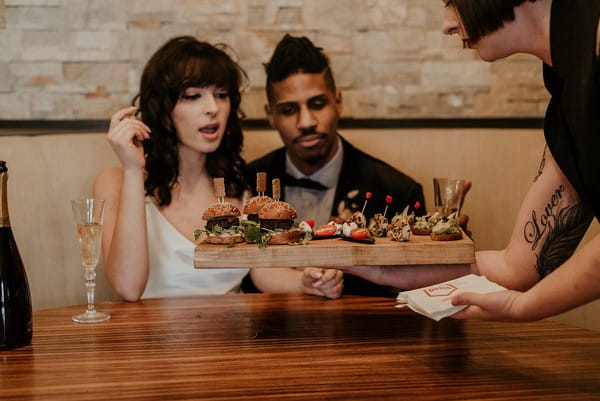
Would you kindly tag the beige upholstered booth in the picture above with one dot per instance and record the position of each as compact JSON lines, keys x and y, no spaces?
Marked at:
{"x":46,"y":171}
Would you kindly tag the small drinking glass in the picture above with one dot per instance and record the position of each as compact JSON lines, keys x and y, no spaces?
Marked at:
{"x":448,"y":194}
{"x":88,"y":218}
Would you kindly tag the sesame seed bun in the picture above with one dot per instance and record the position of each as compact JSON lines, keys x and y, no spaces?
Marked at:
{"x":277,"y":210}
{"x":221,"y":209}
{"x":253,"y":205}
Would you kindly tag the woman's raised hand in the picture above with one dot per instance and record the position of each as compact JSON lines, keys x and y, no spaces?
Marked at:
{"x":125,"y":135}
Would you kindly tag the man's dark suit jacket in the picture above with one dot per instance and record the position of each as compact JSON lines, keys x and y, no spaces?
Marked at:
{"x":360,"y":173}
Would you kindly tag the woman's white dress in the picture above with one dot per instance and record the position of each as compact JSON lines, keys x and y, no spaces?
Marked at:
{"x":172,"y":271}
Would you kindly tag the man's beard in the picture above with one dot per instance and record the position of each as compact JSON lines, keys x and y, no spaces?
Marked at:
{"x":314,"y":159}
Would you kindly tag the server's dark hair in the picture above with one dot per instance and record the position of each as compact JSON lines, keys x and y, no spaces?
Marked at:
{"x":294,"y":55}
{"x":481,"y":17}
{"x":180,"y":63}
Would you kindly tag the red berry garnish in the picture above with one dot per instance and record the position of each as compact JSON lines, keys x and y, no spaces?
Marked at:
{"x":388,"y":199}
{"x":368,"y":195}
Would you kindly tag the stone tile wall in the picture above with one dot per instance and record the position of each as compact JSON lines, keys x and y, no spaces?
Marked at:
{"x":81,"y":59}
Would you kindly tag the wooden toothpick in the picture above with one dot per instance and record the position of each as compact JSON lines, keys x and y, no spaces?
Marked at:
{"x":276,"y":189}
{"x":261,"y":183}
{"x":219,"y":185}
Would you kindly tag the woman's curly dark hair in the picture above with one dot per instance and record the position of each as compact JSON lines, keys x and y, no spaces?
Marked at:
{"x":181,"y":63}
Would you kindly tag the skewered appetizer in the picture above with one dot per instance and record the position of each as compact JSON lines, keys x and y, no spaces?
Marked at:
{"x":424,"y":224}
{"x":222,"y":220}
{"x":400,"y":226}
{"x":277,"y":219}
{"x":446,"y":230}
{"x":254,"y":204}
{"x":359,"y":219}
{"x":378,"y":226}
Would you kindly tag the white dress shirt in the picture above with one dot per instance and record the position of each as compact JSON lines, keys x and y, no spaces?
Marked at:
{"x":314,"y":203}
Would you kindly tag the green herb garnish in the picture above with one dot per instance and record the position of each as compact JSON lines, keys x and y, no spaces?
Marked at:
{"x":250,"y":230}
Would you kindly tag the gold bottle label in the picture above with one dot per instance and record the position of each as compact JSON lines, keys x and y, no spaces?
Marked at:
{"x":4,"y":222}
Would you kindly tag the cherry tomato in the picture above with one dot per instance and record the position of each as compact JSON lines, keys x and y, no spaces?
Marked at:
{"x":360,"y":233}
{"x":325,"y":231}
{"x":311,"y":223}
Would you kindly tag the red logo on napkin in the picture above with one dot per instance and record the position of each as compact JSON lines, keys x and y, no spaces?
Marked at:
{"x":440,"y":291}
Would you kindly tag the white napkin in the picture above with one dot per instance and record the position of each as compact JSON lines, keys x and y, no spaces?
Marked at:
{"x":434,"y":301}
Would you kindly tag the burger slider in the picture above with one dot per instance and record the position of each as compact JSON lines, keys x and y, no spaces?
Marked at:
{"x":277,"y":219}
{"x":254,"y":204}
{"x":222,"y":220}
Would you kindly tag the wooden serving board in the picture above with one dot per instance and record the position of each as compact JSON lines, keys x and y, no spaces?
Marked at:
{"x":337,"y":252}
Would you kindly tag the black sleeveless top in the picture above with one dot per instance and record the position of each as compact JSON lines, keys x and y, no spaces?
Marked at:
{"x":572,"y":123}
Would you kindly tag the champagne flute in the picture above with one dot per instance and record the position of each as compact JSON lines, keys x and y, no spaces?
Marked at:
{"x":448,"y":195}
{"x":88,"y":217}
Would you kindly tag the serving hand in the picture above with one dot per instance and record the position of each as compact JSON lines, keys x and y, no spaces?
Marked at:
{"x":125,"y":136}
{"x":498,"y":306}
{"x":324,"y":282}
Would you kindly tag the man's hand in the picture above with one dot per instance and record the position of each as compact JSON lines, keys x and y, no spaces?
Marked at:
{"x":324,"y":282}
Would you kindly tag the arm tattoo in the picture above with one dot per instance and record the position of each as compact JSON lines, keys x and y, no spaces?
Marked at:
{"x":563,"y":228}
{"x":542,"y":164}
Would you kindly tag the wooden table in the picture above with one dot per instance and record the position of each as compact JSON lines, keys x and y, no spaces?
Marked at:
{"x":294,"y":347}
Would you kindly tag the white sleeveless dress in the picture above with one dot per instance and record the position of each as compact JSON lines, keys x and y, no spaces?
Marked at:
{"x":172,"y":271}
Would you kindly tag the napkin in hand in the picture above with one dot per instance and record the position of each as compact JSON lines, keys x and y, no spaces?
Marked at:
{"x":434,"y":301}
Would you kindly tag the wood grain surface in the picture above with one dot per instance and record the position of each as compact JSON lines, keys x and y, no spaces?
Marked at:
{"x":337,"y":252}
{"x":295,"y":347}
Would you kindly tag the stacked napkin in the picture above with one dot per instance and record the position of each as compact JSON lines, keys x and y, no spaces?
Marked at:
{"x":434,"y":301}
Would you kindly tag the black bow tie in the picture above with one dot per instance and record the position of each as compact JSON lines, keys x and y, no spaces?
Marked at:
{"x":290,"y":181}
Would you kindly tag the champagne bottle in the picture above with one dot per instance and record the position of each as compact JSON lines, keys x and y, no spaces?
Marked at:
{"x":15,"y":298}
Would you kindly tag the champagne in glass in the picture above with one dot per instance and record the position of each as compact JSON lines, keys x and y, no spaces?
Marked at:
{"x":88,"y":218}
{"x":448,"y":195}
{"x":90,"y":238}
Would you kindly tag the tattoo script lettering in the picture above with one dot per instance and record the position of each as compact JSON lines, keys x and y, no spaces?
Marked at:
{"x":536,"y":228}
